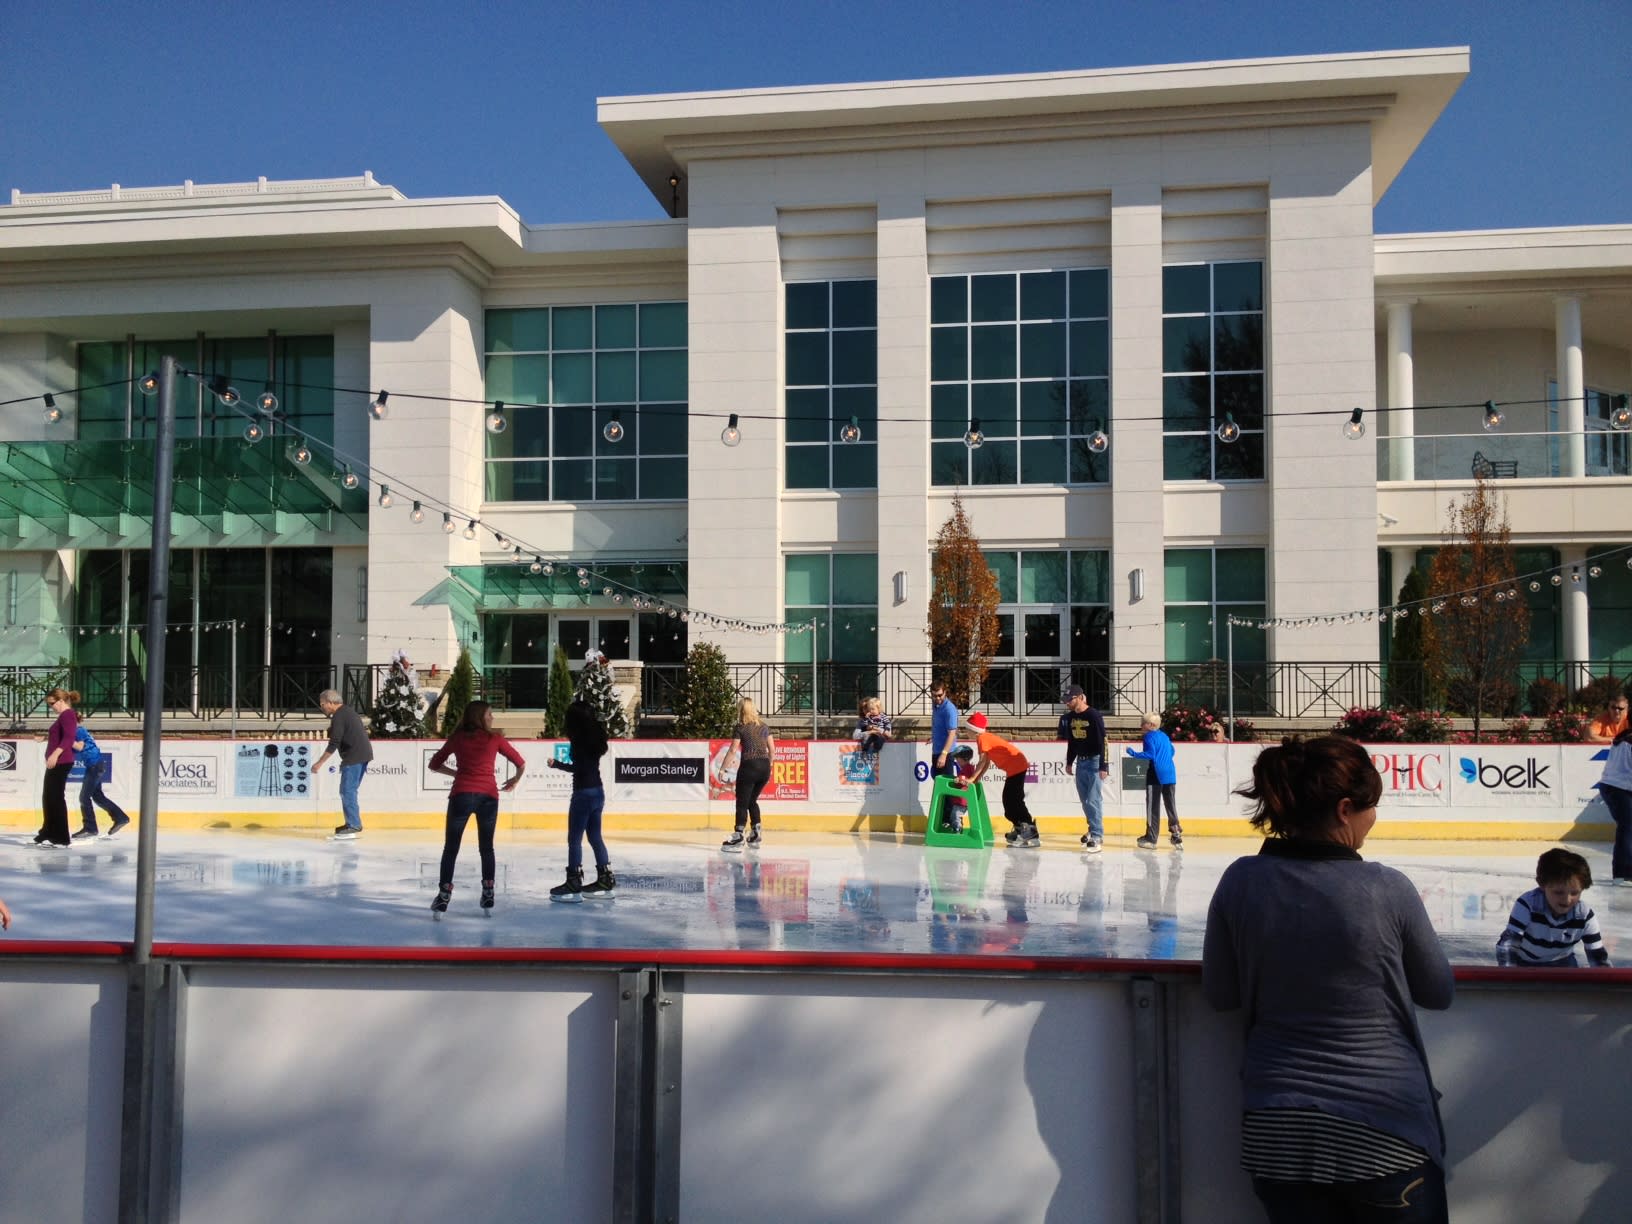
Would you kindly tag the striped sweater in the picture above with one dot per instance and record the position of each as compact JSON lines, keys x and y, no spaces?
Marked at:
{"x":1537,"y":936}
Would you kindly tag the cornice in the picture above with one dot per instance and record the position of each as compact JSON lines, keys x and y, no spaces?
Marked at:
{"x":309,"y":261}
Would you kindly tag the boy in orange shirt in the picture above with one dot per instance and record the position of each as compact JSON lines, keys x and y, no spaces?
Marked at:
{"x":995,"y":750}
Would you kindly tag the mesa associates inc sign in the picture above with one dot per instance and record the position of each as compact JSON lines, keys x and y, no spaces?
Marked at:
{"x":187,"y":773}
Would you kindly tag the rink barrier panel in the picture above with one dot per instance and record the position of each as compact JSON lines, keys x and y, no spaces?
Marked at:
{"x":1536,"y":792}
{"x":1106,"y":1087}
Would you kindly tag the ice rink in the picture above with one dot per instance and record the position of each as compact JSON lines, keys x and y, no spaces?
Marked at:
{"x":820,"y":892}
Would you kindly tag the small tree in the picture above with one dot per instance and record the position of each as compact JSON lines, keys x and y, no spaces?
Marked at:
{"x":461,"y":689}
{"x":560,"y":695}
{"x":595,"y":686}
{"x":963,"y":601}
{"x":396,"y":713}
{"x":1479,"y":636}
{"x":1407,"y":654}
{"x":705,"y":703}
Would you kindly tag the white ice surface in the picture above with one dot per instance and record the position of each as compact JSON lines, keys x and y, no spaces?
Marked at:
{"x":819,"y":892}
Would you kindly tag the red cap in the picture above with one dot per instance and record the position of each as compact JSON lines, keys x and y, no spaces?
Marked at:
{"x":977,"y":720}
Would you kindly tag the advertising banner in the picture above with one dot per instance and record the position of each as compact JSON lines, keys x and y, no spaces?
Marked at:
{"x":1500,"y":776}
{"x":267,"y":770}
{"x":649,"y":773}
{"x":15,"y":776}
{"x":790,"y":772}
{"x":192,"y":769}
{"x":1583,"y":765}
{"x":1414,"y":775}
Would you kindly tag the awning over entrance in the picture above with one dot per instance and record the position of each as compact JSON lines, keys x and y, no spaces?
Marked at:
{"x":228,"y":493}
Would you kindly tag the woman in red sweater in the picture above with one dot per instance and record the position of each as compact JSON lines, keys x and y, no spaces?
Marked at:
{"x":59,"y":759}
{"x":474,"y":746}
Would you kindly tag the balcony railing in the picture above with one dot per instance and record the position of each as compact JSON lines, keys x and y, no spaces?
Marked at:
{"x":1504,"y":454}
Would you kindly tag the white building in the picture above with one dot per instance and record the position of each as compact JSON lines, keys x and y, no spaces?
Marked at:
{"x":1151,"y":252}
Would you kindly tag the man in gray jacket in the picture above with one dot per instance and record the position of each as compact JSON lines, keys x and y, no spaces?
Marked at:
{"x":349,"y":738}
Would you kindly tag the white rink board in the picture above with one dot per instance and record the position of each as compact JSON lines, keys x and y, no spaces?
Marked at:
{"x":1433,"y":782}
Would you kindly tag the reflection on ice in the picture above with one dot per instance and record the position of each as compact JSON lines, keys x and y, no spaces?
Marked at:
{"x":814,"y":892}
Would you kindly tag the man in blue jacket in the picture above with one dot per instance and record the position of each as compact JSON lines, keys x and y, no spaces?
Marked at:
{"x":1083,"y":730}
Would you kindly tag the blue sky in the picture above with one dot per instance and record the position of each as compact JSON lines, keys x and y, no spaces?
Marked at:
{"x":499,"y":98}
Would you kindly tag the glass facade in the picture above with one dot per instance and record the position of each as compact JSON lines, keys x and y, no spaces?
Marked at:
{"x":1212,"y":370}
{"x":830,"y":364}
{"x":564,"y":374}
{"x":1028,"y":355}
{"x":298,"y":369}
{"x":1053,"y":611}
{"x":840,"y":592}
{"x":1204,"y":586}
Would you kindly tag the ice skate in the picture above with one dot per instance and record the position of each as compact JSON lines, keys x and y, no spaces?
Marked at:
{"x":487,"y":898}
{"x":604,"y":885}
{"x":440,"y":905}
{"x":571,"y":889}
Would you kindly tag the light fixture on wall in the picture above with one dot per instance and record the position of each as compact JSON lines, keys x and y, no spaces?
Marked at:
{"x":11,"y":598}
{"x":1136,"y":585}
{"x":900,"y":587}
{"x":674,"y":195}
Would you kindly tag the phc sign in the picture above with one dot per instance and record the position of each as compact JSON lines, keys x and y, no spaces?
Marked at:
{"x":1412,"y":774}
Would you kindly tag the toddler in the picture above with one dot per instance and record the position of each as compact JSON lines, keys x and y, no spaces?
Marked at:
{"x":1548,"y":922}
{"x":962,"y":768}
{"x":873,"y":727}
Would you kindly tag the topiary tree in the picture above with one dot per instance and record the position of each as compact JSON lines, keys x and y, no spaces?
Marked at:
{"x":461,"y":689}
{"x":595,"y":686}
{"x":560,"y":695}
{"x":705,"y":703}
{"x":963,"y":599}
{"x":396,"y":713}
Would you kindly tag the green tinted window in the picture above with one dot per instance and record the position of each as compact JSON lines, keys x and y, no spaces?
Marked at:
{"x":830,"y":367}
{"x":1213,"y":363}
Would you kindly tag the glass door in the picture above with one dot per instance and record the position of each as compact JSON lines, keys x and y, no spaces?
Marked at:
{"x":1045,"y":651}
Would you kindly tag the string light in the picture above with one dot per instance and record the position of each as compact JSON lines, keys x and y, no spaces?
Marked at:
{"x":53,"y":414}
{"x":731,"y":435}
{"x":301,"y":454}
{"x":385,"y":497}
{"x":350,"y":480}
{"x":1493,"y":415}
{"x":1228,"y":431}
{"x":267,"y":401}
{"x":447,"y":524}
{"x":613,"y":431}
{"x":1621,"y":416}
{"x":417,"y":514}
{"x":973,"y":438}
{"x":1355,"y":427}
{"x":228,"y":395}
{"x":253,"y":433}
{"x":1098,"y":441}
{"x":851,"y":432}
{"x":496,"y":422}
{"x":470,"y":530}
{"x":148,"y":384}
{"x":378,"y":409}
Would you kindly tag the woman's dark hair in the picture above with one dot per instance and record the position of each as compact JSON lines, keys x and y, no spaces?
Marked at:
{"x":1296,"y":788}
{"x":583,"y":725}
{"x":475,"y":717}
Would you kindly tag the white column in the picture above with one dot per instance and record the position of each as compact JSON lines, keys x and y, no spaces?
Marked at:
{"x":1402,"y":394}
{"x":1571,"y":386}
{"x":1577,"y":625}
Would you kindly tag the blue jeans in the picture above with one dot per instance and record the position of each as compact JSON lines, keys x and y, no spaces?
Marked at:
{"x":461,"y":807}
{"x":1087,"y":775}
{"x":351,"y":777}
{"x":584,"y":819}
{"x":1416,"y":1196}
{"x":1619,"y":803}
{"x":90,"y":792}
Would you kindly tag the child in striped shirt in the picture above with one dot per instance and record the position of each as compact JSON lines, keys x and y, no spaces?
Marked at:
{"x":1548,"y":922}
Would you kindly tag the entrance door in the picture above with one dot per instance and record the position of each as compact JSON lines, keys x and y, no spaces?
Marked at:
{"x":611,"y":635}
{"x":1045,"y":651}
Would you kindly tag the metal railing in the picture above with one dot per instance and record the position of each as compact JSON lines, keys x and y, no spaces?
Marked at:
{"x":1286,"y":690}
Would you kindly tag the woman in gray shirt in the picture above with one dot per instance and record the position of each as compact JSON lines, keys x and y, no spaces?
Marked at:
{"x":1328,"y":956}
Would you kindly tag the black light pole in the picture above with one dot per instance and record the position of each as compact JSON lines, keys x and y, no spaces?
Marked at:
{"x":142,"y":992}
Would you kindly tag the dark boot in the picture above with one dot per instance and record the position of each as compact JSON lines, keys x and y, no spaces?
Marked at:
{"x":444,"y":894}
{"x":605,"y":884}
{"x":573,"y":887}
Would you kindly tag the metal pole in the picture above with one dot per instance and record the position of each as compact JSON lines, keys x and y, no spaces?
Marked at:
{"x":813,"y":676}
{"x":234,"y":674}
{"x":147,"y":979}
{"x":158,"y":611}
{"x":1229,"y":669}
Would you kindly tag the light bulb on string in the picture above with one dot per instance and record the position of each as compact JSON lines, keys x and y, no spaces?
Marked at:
{"x":350,"y":480}
{"x":548,"y":569}
{"x":974,"y":438}
{"x":267,"y":401}
{"x":301,"y":454}
{"x":377,"y":409}
{"x":1620,"y":416}
{"x":417,"y":514}
{"x":1595,"y":571}
{"x":53,"y":414}
{"x":1493,"y":415}
{"x":253,"y":432}
{"x":228,"y":395}
{"x":606,"y":592}
{"x":1098,"y":441}
{"x":1512,"y":593}
{"x":385,"y":497}
{"x":496,"y":421}
{"x":1228,"y":431}
{"x":583,"y":582}
{"x":850,"y":432}
{"x":612,"y":431}
{"x":1557,"y":580}
{"x":498,"y":538}
{"x":447,"y":524}
{"x":583,"y":573}
{"x":148,"y":384}
{"x":1355,"y":427}
{"x":470,"y":530}
{"x":1575,"y":575}
{"x":1534,"y":586}
{"x":731,"y":435}
{"x":537,"y":566}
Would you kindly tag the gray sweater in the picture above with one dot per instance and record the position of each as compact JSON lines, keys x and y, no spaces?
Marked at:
{"x":1327,"y":954}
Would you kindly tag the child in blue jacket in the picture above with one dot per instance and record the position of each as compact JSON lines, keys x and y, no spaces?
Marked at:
{"x":1161,"y":782}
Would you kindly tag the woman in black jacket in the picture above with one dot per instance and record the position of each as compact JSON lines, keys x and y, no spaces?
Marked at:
{"x":587,"y":740}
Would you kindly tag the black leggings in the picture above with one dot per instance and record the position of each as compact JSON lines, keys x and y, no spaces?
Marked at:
{"x":752,"y":775}
{"x":1014,"y":799}
{"x":461,"y":808}
{"x":54,"y":803}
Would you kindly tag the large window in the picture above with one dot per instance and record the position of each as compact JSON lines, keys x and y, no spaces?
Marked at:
{"x":839,"y":591}
{"x":298,"y":369}
{"x":1213,"y":370}
{"x":1204,"y":587}
{"x":566,"y":373}
{"x":831,"y":374}
{"x":1027,"y":355}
